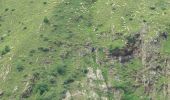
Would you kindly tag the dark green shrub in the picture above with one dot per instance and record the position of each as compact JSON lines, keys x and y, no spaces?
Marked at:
{"x":52,"y":81}
{"x":32,"y":51}
{"x":1,"y":38}
{"x":3,"y":53}
{"x":44,"y":3}
{"x":113,"y":8}
{"x":6,"y":9}
{"x":68,"y":81}
{"x":130,"y":19}
{"x":42,"y":88}
{"x":20,"y":68}
{"x":89,"y":23}
{"x":36,"y":75}
{"x":144,"y":21}
{"x":6,"y":50}
{"x":44,"y":49}
{"x":24,"y":28}
{"x":45,"y":39}
{"x":152,"y":8}
{"x":41,"y":35}
{"x":13,"y":10}
{"x":9,"y":31}
{"x":61,"y":70}
{"x":85,"y":71}
{"x":46,"y":20}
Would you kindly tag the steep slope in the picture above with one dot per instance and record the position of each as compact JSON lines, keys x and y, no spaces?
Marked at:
{"x":84,"y":49}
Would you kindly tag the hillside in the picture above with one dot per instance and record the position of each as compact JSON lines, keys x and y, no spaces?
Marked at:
{"x":84,"y":50}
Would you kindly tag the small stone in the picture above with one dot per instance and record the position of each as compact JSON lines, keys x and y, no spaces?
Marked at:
{"x":1,"y":93}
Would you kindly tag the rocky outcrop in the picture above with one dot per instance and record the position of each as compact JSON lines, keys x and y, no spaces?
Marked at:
{"x":91,"y":87}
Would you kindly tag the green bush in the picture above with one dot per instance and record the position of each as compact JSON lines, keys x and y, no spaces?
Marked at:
{"x":85,"y":71}
{"x":61,"y":70}
{"x":6,"y":9}
{"x":32,"y":51}
{"x":44,"y":49}
{"x":46,"y":20}
{"x":68,"y":81}
{"x":20,"y":68}
{"x":6,"y":50}
{"x":52,"y":81}
{"x":152,"y":8}
{"x":3,"y":53}
{"x":24,"y":28}
{"x":44,"y":3}
{"x":42,"y":88}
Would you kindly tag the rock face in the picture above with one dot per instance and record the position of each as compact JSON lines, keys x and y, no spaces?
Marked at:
{"x":29,"y":86}
{"x":27,"y":91}
{"x":90,"y":88}
{"x":68,"y":96}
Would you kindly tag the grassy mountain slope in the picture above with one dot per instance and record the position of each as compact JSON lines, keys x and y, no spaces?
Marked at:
{"x":84,"y":49}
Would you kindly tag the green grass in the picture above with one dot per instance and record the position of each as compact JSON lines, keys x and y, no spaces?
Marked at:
{"x":45,"y":35}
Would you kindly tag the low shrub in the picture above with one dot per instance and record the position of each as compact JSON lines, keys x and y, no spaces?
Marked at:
{"x":6,"y":50}
{"x":44,"y":49}
{"x":68,"y":81}
{"x":42,"y":88}
{"x":46,"y":20}
{"x":19,"y":68}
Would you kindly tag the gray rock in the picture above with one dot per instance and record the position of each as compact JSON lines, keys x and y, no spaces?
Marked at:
{"x":1,"y":92}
